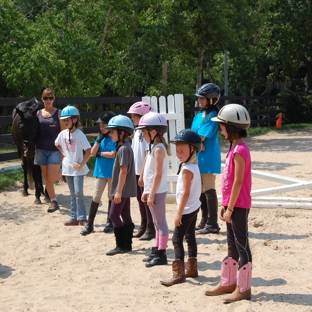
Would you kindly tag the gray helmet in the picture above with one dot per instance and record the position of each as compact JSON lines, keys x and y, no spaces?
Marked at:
{"x":209,"y":91}
{"x":234,"y":115}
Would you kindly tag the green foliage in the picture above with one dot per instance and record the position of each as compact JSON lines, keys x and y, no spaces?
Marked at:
{"x":295,"y":105}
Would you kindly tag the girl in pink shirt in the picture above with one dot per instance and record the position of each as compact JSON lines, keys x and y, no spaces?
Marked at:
{"x":234,"y":120}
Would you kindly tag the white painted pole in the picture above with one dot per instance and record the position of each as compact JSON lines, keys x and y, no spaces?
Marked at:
{"x":259,"y":204}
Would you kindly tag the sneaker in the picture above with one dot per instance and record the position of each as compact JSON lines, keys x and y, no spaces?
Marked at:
{"x":54,"y":206}
{"x":71,"y":222}
{"x":83,"y":222}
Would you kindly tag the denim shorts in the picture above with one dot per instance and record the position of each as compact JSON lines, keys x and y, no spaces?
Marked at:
{"x":44,"y":157}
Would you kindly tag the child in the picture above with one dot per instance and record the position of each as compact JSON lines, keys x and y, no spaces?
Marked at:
{"x":71,"y":142}
{"x":236,"y":202}
{"x":154,"y":125}
{"x":188,"y":143}
{"x":104,"y":150}
{"x":209,"y":159}
{"x":123,"y":184}
{"x":140,"y":149}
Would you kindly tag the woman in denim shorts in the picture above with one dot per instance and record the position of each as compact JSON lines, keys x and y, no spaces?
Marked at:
{"x":48,"y":157}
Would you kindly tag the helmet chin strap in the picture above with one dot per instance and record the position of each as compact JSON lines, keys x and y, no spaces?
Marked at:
{"x":151,"y":140}
{"x":71,"y":128}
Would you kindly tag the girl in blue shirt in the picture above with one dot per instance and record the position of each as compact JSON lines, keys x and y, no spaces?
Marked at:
{"x":104,"y":150}
{"x":209,"y":159}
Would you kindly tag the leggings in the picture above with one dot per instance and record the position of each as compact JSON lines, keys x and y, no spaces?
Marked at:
{"x":237,"y":237}
{"x":100,"y":184}
{"x":145,"y":212}
{"x":187,"y":229}
{"x":160,"y":222}
{"x":120,"y":213}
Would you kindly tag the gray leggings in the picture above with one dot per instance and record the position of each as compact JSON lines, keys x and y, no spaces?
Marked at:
{"x":159,"y":214}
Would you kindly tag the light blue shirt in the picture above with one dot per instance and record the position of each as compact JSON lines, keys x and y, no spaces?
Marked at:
{"x":103,"y":167}
{"x":209,"y":160}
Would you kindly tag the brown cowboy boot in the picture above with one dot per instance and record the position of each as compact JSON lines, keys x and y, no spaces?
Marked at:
{"x":178,"y":274}
{"x":191,"y":268}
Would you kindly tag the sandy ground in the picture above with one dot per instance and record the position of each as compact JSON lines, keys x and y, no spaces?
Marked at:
{"x":45,"y":266}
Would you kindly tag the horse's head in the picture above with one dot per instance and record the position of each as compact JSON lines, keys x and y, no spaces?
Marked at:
{"x":26,"y":126}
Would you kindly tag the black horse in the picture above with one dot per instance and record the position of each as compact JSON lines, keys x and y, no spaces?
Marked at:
{"x":25,"y":129}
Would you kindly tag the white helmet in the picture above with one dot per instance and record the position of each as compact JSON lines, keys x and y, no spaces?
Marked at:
{"x":234,"y":115}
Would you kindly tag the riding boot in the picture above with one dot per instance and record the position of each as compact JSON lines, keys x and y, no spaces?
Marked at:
{"x":109,"y":225}
{"x":149,"y":232}
{"x":129,"y":235}
{"x":212,"y":222}
{"x":141,"y":230}
{"x":159,"y":259}
{"x":89,"y":227}
{"x":227,"y":282}
{"x":204,"y":212}
{"x":243,"y":287}
{"x":178,"y":274}
{"x":191,"y":268}
{"x":120,"y":237}
{"x":151,"y":256}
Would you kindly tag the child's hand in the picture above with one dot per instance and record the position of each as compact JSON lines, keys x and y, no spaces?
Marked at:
{"x":222,"y":210}
{"x":117,"y":198}
{"x":77,"y":166}
{"x":178,"y":220}
{"x":144,"y":198}
{"x":227,"y":216}
{"x":150,"y":201}
{"x":140,"y":181}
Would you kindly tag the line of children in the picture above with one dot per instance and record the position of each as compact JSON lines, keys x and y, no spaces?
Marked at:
{"x":234,"y":120}
{"x":104,"y":150}
{"x":188,"y":189}
{"x":140,"y":150}
{"x":123,"y":184}
{"x":153,"y":126}
{"x":71,"y":142}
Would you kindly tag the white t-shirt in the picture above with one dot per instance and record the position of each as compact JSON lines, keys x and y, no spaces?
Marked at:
{"x":73,"y":151}
{"x":193,"y":202}
{"x":139,"y":147}
{"x":149,"y":172}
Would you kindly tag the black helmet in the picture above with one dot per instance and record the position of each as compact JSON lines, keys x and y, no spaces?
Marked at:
{"x":105,"y":117}
{"x":190,"y":137}
{"x":209,"y":91}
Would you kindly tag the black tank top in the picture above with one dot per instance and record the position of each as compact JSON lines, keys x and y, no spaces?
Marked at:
{"x":49,"y":128}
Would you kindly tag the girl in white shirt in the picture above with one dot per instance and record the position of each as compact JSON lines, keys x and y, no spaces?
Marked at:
{"x":153,"y":126}
{"x":188,"y":143}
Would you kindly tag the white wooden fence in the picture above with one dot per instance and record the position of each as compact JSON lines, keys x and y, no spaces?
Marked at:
{"x":172,"y":108}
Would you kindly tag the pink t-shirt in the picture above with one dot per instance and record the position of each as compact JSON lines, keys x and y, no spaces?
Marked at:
{"x":244,"y":197}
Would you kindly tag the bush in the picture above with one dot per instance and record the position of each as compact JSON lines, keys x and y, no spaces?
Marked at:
{"x":295,"y":105}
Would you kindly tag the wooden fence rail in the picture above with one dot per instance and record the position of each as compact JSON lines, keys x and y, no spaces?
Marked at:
{"x":263,"y":111}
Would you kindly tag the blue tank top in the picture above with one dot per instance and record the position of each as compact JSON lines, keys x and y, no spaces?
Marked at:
{"x":49,"y":128}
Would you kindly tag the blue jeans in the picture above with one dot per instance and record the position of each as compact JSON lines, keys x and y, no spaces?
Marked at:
{"x":77,"y":203}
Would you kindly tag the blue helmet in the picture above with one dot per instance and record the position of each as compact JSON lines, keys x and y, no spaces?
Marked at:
{"x":121,"y":122}
{"x":69,"y":112}
{"x":189,"y":137}
{"x":209,"y":91}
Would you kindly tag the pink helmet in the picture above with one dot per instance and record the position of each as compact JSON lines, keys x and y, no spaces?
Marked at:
{"x":140,"y":108}
{"x":154,"y":121}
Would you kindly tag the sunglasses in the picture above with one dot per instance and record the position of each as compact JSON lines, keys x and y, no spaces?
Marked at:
{"x":51,"y":98}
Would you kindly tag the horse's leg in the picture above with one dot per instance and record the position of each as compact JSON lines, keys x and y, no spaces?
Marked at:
{"x":38,"y":183}
{"x":25,"y":170}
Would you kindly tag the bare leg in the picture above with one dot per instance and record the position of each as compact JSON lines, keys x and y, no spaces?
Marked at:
{"x":51,"y":173}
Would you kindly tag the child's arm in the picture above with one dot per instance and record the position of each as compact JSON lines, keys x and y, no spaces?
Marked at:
{"x":239,"y":163}
{"x":159,"y":155}
{"x":86,"y":157}
{"x":140,"y":181}
{"x":187,"y":177}
{"x":60,"y":149}
{"x":95,"y":151}
{"x":121,"y":182}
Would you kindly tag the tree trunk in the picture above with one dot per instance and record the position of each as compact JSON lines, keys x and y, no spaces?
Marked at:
{"x":105,"y":26}
{"x":200,"y":67}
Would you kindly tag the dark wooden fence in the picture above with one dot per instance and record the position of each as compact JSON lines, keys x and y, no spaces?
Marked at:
{"x":263,"y":112}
